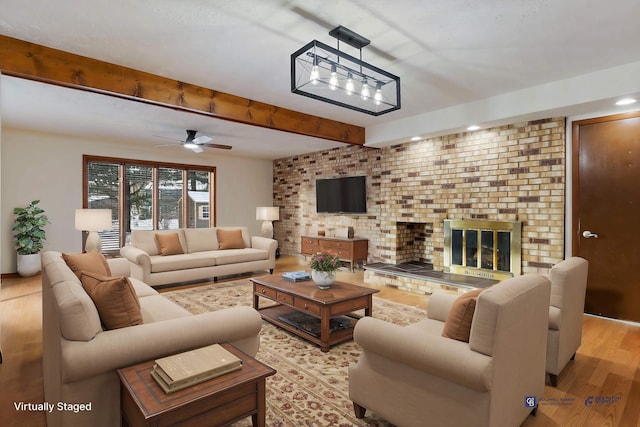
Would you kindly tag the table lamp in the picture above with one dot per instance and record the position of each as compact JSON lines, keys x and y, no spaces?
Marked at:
{"x":267,"y":215}
{"x":93,"y":220}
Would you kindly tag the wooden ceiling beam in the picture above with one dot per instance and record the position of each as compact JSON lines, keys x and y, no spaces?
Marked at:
{"x":22,"y":59}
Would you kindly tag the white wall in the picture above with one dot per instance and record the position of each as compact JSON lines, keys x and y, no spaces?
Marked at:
{"x":48,"y":167}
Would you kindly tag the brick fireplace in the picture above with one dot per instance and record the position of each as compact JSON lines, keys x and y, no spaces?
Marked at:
{"x":508,"y":173}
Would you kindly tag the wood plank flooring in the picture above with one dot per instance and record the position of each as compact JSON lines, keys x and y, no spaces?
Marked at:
{"x":600,"y":388}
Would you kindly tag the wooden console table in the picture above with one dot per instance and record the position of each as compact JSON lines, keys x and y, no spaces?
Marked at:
{"x":351,"y":250}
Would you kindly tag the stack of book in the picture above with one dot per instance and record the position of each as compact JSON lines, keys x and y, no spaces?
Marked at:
{"x":296,"y":276}
{"x":182,"y":370}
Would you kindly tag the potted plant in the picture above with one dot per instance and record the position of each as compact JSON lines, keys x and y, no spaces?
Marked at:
{"x":323,"y":268}
{"x":29,"y":235}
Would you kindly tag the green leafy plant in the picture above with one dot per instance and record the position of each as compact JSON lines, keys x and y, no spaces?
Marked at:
{"x":325,"y":261}
{"x":29,"y":228}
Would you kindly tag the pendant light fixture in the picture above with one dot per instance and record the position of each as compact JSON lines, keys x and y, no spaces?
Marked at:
{"x":328,"y":74}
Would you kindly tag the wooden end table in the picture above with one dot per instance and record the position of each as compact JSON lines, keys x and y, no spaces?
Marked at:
{"x":217,"y":402}
{"x":341,"y":299}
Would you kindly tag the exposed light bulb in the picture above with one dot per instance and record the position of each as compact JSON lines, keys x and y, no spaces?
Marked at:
{"x":190,"y":145}
{"x":333,"y":78}
{"x":315,"y":75}
{"x":349,"y":87}
{"x":377,"y":98}
{"x":365,"y":93}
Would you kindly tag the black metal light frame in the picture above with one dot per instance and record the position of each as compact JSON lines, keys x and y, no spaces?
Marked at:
{"x":384,"y":87}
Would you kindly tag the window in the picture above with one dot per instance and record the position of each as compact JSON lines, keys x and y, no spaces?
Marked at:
{"x":147,"y":196}
{"x":203,"y":212}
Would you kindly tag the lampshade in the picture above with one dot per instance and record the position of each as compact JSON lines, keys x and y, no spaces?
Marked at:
{"x":93,"y":219}
{"x":268,"y":213}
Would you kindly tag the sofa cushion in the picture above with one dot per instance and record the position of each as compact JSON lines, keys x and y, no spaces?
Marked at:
{"x":146,"y":240}
{"x":555,"y":318}
{"x":156,"y":308}
{"x":169,"y":244}
{"x":458,"y":323}
{"x":90,"y":261}
{"x":235,"y":256}
{"x":160,"y":264}
{"x":115,"y":299}
{"x":201,"y":239}
{"x":141,"y":288}
{"x":79,"y":318}
{"x":230,"y":239}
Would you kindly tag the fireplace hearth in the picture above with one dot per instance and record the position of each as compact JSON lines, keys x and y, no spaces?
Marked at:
{"x":476,"y":254}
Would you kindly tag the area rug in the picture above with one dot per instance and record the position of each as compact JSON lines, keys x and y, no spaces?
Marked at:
{"x":310,"y":387}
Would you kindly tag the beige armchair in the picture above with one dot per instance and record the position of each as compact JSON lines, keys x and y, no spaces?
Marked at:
{"x":568,"y":288}
{"x":413,"y":376}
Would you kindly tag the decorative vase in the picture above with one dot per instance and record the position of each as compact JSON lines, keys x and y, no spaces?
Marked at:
{"x":29,"y":265}
{"x":323,"y":279}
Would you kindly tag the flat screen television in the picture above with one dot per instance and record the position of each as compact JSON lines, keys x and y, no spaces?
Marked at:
{"x":346,"y":195}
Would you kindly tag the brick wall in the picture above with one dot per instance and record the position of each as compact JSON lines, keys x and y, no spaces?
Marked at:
{"x":507,"y":173}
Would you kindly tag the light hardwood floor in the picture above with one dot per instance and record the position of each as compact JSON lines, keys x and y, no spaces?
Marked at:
{"x":606,"y":371}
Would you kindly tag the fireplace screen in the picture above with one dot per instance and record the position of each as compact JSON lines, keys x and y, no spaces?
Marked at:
{"x":489,"y":249}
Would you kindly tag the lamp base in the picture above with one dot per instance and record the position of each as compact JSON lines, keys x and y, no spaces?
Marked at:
{"x":93,"y":243}
{"x":267,"y":229}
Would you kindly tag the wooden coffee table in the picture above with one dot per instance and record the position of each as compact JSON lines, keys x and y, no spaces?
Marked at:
{"x":305,"y":297}
{"x":217,"y":402}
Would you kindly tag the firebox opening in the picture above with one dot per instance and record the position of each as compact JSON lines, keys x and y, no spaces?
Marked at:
{"x":478,"y":248}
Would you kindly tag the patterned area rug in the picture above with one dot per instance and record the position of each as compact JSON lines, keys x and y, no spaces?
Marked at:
{"x":311,"y":387}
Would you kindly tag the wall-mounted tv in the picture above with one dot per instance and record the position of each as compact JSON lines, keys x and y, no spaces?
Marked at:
{"x":346,"y":195}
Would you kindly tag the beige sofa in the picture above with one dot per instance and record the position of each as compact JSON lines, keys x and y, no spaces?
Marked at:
{"x":202,"y":257}
{"x":566,"y":311}
{"x":413,"y":376}
{"x":80,"y":359}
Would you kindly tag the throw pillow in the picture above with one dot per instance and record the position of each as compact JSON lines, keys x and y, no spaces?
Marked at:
{"x":458,"y":323}
{"x":230,"y":239}
{"x":169,"y":244}
{"x":115,"y":299}
{"x":92,"y":262}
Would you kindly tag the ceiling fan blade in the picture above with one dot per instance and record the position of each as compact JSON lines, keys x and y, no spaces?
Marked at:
{"x":168,"y":145}
{"x":167,"y":137}
{"x":219,"y":146}
{"x":203,"y":139}
{"x":196,"y":149}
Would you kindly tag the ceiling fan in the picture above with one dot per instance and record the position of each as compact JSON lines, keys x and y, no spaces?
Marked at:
{"x":196,"y":143}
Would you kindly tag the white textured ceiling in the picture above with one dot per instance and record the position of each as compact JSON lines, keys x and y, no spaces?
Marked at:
{"x":448,"y":53}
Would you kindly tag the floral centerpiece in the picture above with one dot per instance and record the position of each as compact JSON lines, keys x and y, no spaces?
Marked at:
{"x":323,"y":268}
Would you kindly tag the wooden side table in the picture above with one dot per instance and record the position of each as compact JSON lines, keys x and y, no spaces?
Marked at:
{"x":217,"y":402}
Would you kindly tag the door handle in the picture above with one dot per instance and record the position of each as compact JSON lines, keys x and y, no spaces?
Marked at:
{"x":589,"y":235}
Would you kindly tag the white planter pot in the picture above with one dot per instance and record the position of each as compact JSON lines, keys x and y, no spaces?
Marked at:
{"x":323,"y":279}
{"x":29,"y":265}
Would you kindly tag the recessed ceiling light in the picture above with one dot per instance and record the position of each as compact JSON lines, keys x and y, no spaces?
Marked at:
{"x":473,"y":127}
{"x":416,"y":138}
{"x":626,"y":101}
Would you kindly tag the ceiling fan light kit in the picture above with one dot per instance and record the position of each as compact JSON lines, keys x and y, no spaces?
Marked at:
{"x":327,"y":74}
{"x":195,"y":144}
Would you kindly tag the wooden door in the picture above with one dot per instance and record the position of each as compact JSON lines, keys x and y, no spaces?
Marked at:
{"x":606,"y":212}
